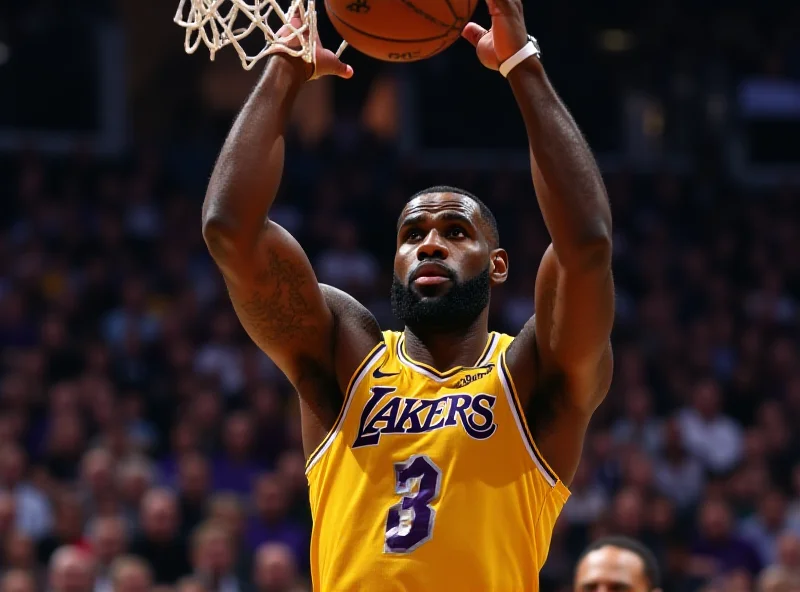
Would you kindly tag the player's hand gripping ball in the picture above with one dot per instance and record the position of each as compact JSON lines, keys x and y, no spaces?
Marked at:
{"x":506,"y":37}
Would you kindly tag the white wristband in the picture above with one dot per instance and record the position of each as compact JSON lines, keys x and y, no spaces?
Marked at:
{"x":531,"y":48}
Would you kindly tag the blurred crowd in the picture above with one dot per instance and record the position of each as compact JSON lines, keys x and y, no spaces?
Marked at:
{"x":143,"y":437}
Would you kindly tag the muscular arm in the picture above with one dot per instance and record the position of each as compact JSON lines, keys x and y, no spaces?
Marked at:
{"x":569,"y":335}
{"x":270,"y":280}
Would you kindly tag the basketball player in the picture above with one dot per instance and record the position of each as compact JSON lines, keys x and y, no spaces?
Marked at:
{"x":617,"y":564}
{"x":439,"y":457}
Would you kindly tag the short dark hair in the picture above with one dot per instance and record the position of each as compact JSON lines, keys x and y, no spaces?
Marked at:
{"x":651,"y":571}
{"x":486,"y":213}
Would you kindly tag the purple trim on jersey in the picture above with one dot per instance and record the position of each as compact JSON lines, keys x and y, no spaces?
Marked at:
{"x":358,"y":375}
{"x":523,"y":420}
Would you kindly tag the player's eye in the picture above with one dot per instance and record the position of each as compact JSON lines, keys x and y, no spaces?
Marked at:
{"x":413,"y":235}
{"x":456,"y":232}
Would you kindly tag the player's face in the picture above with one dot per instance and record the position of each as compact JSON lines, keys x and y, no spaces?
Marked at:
{"x":444,"y":267}
{"x":610,"y":569}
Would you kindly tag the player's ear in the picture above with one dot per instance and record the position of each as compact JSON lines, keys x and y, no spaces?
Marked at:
{"x":498,"y":266}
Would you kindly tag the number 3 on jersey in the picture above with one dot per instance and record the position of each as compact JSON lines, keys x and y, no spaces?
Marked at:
{"x":410,"y":522}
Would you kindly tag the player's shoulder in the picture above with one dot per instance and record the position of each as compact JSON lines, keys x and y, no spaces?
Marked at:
{"x":356,"y":331}
{"x":346,"y":308}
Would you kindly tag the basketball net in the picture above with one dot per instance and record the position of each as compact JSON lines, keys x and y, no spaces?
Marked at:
{"x":217,"y":23}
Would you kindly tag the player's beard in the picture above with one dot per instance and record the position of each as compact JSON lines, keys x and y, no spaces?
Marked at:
{"x":454,"y":310}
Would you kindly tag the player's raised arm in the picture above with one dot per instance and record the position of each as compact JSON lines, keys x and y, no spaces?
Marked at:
{"x":574,"y":286}
{"x":270,"y":280}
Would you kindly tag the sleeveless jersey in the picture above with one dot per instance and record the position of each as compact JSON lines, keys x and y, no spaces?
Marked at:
{"x":431,"y":481}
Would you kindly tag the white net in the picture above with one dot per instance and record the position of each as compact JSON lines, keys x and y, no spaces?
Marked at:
{"x":217,"y":23}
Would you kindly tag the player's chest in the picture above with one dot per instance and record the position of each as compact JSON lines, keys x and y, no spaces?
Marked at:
{"x":396,"y":415}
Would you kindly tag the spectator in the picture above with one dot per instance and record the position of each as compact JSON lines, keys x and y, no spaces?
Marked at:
{"x":717,"y":551}
{"x":109,"y":540}
{"x":135,"y":475}
{"x":235,"y":469}
{"x":771,"y":419}
{"x":20,"y":553}
{"x":141,"y":433}
{"x":608,"y":465}
{"x":628,"y":513}
{"x":206,"y":414}
{"x":64,"y":444}
{"x":190,"y":584}
{"x":32,"y":510}
{"x":784,"y":574}
{"x":271,"y":522}
{"x":639,"y":427}
{"x":213,"y":558}
{"x":746,"y":487}
{"x":617,"y":563}
{"x":130,"y":574}
{"x":269,"y":426}
{"x":17,"y":580}
{"x":775,"y":581}
{"x":97,"y":481}
{"x":159,"y":542}
{"x":275,"y":569}
{"x":68,"y":528}
{"x":132,"y":316}
{"x":345,"y":265}
{"x":227,"y":511}
{"x":711,"y":436}
{"x":585,"y":506}
{"x":678,"y":475}
{"x":194,"y":486}
{"x":763,"y":529}
{"x":789,"y":553}
{"x":735,"y":581}
{"x":292,"y":469}
{"x":665,"y":532}
{"x":71,"y":570}
{"x":638,"y":472}
{"x":183,"y":440}
{"x":221,"y":357}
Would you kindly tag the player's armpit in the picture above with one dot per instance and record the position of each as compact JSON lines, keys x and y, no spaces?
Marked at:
{"x":562,"y":360}
{"x":278,"y":300}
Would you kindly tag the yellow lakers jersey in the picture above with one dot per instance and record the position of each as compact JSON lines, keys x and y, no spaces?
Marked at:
{"x":431,"y":481}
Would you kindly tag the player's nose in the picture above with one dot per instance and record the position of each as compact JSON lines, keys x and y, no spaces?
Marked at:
{"x":433,"y":247}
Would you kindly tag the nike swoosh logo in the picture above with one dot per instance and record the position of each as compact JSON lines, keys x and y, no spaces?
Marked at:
{"x":378,"y":374}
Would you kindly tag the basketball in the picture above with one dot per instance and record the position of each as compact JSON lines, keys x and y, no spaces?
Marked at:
{"x":400,"y":30}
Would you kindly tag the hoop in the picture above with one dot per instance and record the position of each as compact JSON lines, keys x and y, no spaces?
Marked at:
{"x":214,"y":23}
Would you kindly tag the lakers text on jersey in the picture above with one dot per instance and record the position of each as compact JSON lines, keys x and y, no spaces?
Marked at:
{"x":431,"y":481}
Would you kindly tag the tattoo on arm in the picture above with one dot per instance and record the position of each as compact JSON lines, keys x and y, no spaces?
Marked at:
{"x":277,"y":309}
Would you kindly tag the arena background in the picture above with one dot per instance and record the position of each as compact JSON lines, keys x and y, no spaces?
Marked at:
{"x":138,"y":419}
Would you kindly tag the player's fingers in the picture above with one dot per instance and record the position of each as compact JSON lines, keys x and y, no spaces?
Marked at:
{"x":342,"y":70}
{"x":473,"y":33}
{"x":329,"y":65}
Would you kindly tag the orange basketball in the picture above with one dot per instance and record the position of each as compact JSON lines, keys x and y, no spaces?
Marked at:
{"x":400,"y":30}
